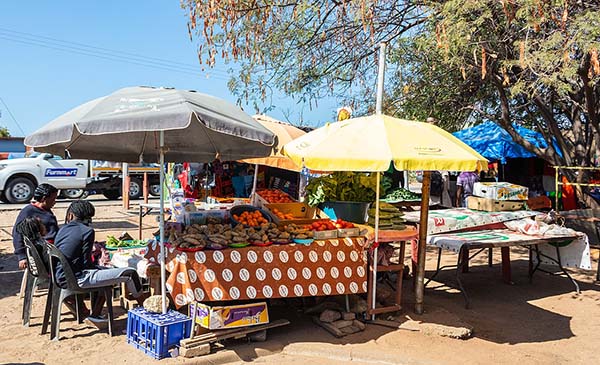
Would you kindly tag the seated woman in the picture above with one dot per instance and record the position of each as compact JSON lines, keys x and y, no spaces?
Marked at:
{"x":76,"y":240}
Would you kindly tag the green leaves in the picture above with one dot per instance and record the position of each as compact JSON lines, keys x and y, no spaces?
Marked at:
{"x":344,"y":186}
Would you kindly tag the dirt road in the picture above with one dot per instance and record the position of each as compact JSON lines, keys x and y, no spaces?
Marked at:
{"x":542,"y":322}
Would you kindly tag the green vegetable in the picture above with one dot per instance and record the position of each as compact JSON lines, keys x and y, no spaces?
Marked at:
{"x":402,"y":194}
{"x":343,"y":186}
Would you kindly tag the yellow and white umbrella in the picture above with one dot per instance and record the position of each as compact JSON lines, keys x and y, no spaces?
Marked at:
{"x":371,"y":143}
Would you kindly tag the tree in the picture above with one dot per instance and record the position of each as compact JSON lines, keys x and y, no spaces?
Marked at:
{"x":305,"y":49}
{"x":4,"y":132}
{"x":529,"y":62}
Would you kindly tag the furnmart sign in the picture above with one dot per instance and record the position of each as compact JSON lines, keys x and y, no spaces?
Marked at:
{"x":62,"y":172}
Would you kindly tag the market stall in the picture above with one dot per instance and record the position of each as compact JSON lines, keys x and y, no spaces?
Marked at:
{"x":371,"y":144}
{"x":322,"y":268}
{"x":468,"y":233}
{"x":153,"y":124}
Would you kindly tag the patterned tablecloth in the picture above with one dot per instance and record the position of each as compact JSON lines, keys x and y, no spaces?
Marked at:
{"x":325,"y":267}
{"x":574,"y":248}
{"x":448,"y":220}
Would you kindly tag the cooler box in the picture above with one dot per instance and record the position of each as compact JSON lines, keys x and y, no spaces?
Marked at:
{"x":500,"y":191}
{"x":492,"y":205}
{"x":201,"y":216}
{"x":230,"y":316}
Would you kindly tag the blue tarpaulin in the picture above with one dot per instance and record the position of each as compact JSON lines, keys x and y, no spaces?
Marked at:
{"x":494,"y":143}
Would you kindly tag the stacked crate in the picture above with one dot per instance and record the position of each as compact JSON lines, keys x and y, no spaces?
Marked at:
{"x":497,"y":196}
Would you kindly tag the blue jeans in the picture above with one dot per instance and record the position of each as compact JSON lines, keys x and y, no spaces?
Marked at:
{"x":95,"y":278}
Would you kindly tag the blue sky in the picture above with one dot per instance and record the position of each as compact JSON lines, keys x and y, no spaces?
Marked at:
{"x":39,"y":82}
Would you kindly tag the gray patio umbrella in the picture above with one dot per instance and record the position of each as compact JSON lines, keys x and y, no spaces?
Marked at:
{"x":151,"y":124}
{"x":124,"y":126}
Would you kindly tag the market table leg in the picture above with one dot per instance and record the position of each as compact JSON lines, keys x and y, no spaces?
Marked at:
{"x":465,"y":260}
{"x":506,"y":274}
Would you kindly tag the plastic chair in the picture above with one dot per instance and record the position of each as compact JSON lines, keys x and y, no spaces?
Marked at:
{"x":36,"y":276}
{"x":59,"y":294}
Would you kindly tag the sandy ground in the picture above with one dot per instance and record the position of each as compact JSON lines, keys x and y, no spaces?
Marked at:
{"x":541,"y":322}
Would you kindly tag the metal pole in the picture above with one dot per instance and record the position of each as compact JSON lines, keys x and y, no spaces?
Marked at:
{"x":376,"y":243}
{"x":556,"y":188}
{"x":125,"y":182}
{"x":254,"y":182}
{"x":163,"y":273}
{"x":420,"y":278}
{"x":380,"y":79}
{"x":146,"y":188}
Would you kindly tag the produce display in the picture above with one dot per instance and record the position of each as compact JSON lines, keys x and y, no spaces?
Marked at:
{"x":282,"y":215}
{"x":390,"y":217}
{"x":113,"y":243}
{"x":400,"y":195}
{"x":275,"y":196}
{"x":252,"y":219}
{"x":342,"y":224}
{"x":220,"y":236}
{"x":323,"y":225}
{"x":341,"y":186}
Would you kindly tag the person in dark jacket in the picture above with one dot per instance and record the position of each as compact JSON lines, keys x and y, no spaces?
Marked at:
{"x":76,"y":240}
{"x":44,"y":199}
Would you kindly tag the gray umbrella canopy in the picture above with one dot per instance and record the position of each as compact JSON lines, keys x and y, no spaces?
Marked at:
{"x":124,"y":126}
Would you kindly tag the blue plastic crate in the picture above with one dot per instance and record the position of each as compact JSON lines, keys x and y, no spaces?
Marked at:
{"x":156,"y":333}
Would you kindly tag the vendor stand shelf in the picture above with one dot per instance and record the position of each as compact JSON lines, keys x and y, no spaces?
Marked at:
{"x":391,"y":236}
{"x":479,"y":241}
{"x":325,"y":267}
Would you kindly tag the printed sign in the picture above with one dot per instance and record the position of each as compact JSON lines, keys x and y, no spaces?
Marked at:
{"x":62,"y":172}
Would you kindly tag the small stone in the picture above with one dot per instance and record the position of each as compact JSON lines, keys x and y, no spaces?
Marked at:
{"x":361,"y":326}
{"x":348,"y":316}
{"x":329,"y":316}
{"x":349,"y":330}
{"x":342,"y":323}
{"x":360,"y":306}
{"x":154,"y":304}
{"x":203,"y":349}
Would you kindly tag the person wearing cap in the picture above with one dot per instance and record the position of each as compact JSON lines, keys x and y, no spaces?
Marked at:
{"x":41,"y":208}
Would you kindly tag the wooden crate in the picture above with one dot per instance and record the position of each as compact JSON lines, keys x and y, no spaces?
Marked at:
{"x":491,"y":205}
{"x":302,"y":212}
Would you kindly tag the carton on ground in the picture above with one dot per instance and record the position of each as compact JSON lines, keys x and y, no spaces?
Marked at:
{"x":230,"y":316}
{"x":492,"y":205}
{"x":500,"y":191}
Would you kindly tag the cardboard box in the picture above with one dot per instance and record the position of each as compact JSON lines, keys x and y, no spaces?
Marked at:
{"x":230,"y":316}
{"x":325,"y":235}
{"x":260,"y":202}
{"x":500,"y":191}
{"x":539,"y":202}
{"x":492,"y":205}
{"x":302,"y":212}
{"x":348,"y":232}
{"x":201,"y":216}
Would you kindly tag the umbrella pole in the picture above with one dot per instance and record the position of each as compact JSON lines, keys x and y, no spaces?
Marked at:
{"x":420,"y":277}
{"x":375,"y":244}
{"x":254,"y":182}
{"x":162,"y":224}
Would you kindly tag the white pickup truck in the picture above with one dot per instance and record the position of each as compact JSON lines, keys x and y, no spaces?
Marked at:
{"x":20,"y":176}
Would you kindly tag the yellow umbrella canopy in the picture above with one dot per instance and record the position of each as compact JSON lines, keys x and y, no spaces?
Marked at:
{"x":371,"y":143}
{"x":285,"y":133}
